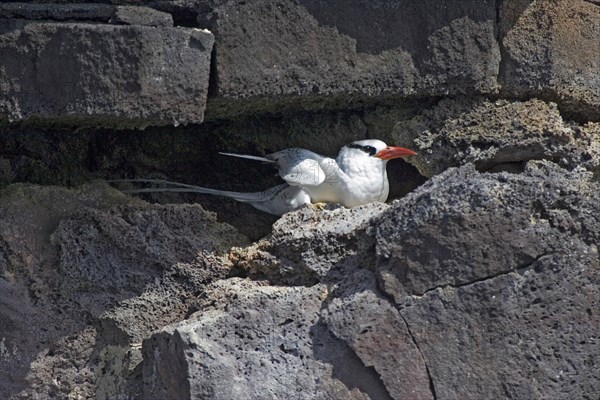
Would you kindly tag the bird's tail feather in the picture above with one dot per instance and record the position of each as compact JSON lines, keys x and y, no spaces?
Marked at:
{"x":256,"y":158}
{"x":156,"y":181}
{"x":251,"y":197}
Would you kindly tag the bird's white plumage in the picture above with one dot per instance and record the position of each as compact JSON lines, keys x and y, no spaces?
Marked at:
{"x":357,"y":176}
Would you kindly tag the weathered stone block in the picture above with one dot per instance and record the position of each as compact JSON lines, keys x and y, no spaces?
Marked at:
{"x":75,"y":299}
{"x":315,"y":49}
{"x":103,"y":74}
{"x":477,"y":285}
{"x":551,"y":49}
{"x":527,"y":334}
{"x":376,"y":332}
{"x":462,"y":226}
{"x":236,"y":349}
{"x":57,"y":12}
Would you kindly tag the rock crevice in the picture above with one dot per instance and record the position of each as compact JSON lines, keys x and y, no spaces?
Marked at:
{"x":479,"y":278}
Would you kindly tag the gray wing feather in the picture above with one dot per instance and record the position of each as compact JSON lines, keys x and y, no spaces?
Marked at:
{"x":299,"y":167}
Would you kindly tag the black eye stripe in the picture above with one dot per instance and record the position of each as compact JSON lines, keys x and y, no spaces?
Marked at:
{"x":370,"y":150}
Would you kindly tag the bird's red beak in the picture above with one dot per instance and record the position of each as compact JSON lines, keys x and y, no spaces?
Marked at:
{"x":394,"y":152}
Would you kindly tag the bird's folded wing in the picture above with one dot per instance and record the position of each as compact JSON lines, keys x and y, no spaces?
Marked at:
{"x":298,"y":167}
{"x":302,"y":172}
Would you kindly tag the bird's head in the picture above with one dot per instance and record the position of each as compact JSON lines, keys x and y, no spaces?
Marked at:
{"x":377,"y":149}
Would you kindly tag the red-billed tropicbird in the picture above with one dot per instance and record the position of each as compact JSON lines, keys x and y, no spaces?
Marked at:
{"x":356,"y":176}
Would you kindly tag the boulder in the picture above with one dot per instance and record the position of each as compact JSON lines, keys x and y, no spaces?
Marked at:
{"x":524,"y":334}
{"x":57,"y":12}
{"x":103,"y":74}
{"x":340,"y":240}
{"x":234,"y":349}
{"x":462,"y":226}
{"x":237,"y":349}
{"x":358,"y":314}
{"x":476,"y":285}
{"x":497,"y":278}
{"x":132,"y":15}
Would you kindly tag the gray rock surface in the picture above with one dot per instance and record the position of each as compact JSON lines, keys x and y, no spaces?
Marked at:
{"x":482,"y":282}
{"x":85,"y":275}
{"x":104,"y":74}
{"x":339,"y":240}
{"x":279,"y":51}
{"x":462,"y":226}
{"x":475,"y":266}
{"x":531,"y":333}
{"x":359,"y":315}
{"x":473,"y":286}
{"x":57,"y":12}
{"x":236,"y":350}
{"x":496,"y":135}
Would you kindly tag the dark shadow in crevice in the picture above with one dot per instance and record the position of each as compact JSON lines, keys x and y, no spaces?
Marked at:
{"x":348,"y":368}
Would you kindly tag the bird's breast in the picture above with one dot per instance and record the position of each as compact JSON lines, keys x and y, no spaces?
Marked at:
{"x":352,"y":189}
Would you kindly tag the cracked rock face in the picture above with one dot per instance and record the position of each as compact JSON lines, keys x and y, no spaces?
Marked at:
{"x":482,"y":282}
{"x":464,"y":226}
{"x":476,"y":285}
{"x":550,"y":50}
{"x":473,"y":286}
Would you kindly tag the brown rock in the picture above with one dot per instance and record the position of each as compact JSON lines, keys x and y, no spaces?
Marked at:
{"x":550,"y":50}
{"x":495,"y":135}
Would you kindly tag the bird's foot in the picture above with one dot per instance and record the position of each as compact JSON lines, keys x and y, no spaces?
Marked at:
{"x":320,"y":206}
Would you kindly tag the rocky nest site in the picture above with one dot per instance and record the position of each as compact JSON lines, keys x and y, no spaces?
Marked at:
{"x":478,"y":279}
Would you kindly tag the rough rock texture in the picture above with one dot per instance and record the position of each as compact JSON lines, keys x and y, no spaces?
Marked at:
{"x":281,"y":55}
{"x":85,"y":275}
{"x":103,"y":74}
{"x":131,"y":15}
{"x":531,"y":333}
{"x":359,"y":316}
{"x":473,"y":286}
{"x":190,"y":155}
{"x":497,"y":134}
{"x":498,"y":222}
{"x":272,"y":50}
{"x":550,"y":49}
{"x":475,"y":263}
{"x":233,"y":349}
{"x":57,"y":12}
{"x":482,"y":282}
{"x":340,"y":238}
{"x":220,"y":353}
